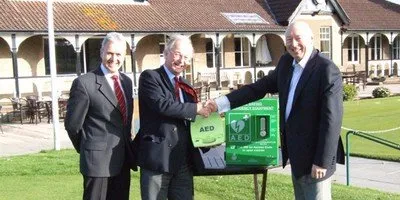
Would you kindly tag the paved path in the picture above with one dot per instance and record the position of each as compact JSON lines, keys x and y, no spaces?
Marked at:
{"x":367,"y":91}
{"x":29,"y":138}
{"x":366,"y":173}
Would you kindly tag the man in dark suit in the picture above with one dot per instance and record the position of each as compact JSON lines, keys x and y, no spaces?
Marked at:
{"x":166,"y":155}
{"x":311,"y":108}
{"x":98,"y":122}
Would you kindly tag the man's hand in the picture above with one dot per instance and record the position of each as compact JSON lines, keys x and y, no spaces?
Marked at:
{"x":203,"y":110}
{"x":317,"y":172}
{"x":212,"y":105}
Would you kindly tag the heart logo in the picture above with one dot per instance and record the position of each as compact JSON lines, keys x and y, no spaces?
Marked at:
{"x":237,"y":126}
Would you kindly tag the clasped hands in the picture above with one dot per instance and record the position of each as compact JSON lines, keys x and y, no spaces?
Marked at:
{"x":206,"y":108}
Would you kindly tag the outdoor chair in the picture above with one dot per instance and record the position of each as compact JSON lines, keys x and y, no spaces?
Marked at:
{"x":198,"y":93}
{"x":206,"y":93}
{"x":36,"y":109}
{"x":20,"y":108}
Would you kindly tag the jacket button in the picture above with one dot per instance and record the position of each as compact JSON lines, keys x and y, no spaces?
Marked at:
{"x":174,"y":129}
{"x":169,"y":145}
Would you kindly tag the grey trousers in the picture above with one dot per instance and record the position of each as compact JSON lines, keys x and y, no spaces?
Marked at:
{"x":160,"y":186}
{"x":308,"y":188}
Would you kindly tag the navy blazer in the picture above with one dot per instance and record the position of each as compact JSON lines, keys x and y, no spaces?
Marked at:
{"x":163,"y":140}
{"x":311,"y":134}
{"x":95,"y":126}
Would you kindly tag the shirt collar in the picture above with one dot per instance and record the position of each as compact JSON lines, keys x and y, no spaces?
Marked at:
{"x":171,"y":76}
{"x":305,"y":59}
{"x":106,"y":73}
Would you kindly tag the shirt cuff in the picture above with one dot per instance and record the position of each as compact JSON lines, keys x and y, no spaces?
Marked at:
{"x":223,"y":104}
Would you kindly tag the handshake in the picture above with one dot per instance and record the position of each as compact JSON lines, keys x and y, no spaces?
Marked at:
{"x":206,"y":108}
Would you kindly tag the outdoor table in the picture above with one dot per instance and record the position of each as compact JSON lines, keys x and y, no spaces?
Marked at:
{"x":215,"y":166}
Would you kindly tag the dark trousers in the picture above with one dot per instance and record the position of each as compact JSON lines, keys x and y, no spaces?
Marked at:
{"x":107,"y":188}
{"x":161,"y":186}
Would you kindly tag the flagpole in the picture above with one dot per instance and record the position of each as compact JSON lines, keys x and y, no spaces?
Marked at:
{"x":53,"y":73}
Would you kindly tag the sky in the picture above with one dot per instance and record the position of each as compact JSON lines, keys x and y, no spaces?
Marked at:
{"x":394,"y":1}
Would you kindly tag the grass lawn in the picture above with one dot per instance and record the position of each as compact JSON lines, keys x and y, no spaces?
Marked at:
{"x":54,"y":175}
{"x":373,"y":115}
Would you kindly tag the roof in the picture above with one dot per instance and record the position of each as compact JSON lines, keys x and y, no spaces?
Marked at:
{"x":371,"y":14}
{"x":283,"y":9}
{"x":154,"y":16}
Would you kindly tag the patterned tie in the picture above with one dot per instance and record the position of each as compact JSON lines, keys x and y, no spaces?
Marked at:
{"x":184,"y":87}
{"x":120,"y":98}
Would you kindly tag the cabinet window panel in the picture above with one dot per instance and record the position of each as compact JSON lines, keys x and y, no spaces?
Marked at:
{"x":352,"y":45}
{"x":241,"y":52}
{"x":65,"y":57}
{"x":325,"y":41}
{"x":396,"y":48}
{"x":209,"y":53}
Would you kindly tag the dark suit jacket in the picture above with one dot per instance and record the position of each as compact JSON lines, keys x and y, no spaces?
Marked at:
{"x":311,"y":134}
{"x":95,"y":126}
{"x":164,"y":140}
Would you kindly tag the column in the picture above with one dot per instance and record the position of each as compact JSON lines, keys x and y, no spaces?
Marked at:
{"x":15,"y":64}
{"x":78,"y":65}
{"x":133,"y":59}
{"x":217,"y":61}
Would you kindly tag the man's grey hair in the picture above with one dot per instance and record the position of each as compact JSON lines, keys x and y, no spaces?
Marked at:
{"x":304,"y":27}
{"x":185,"y":41}
{"x":111,"y":37}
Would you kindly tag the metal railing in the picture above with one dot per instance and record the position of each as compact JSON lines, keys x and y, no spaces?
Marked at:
{"x":368,"y":137}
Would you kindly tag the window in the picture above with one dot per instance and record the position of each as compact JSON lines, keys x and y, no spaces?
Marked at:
{"x":396,"y":48}
{"x":353,"y":46}
{"x":65,"y":57}
{"x":210,"y":54}
{"x":376,"y":47}
{"x":325,"y":41}
{"x":241,"y":52}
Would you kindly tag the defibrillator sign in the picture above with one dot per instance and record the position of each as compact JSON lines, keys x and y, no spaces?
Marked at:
{"x":252,"y":133}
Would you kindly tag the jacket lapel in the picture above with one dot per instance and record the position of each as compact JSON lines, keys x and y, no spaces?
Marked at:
{"x":305,"y":75}
{"x":288,"y":74}
{"x":104,"y":87}
{"x":165,"y":79}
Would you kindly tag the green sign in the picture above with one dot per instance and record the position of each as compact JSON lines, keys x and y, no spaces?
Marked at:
{"x":252,"y":134}
{"x":208,"y":131}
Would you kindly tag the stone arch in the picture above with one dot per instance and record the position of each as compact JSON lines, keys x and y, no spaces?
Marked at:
{"x":371,"y":72}
{"x":248,"y":77}
{"x":395,"y":69}
{"x":260,"y":74}
{"x":386,"y":71}
{"x":149,"y":52}
{"x":379,"y":71}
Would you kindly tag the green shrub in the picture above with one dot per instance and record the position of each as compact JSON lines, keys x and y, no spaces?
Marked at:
{"x":381,"y":92}
{"x":349,"y":92}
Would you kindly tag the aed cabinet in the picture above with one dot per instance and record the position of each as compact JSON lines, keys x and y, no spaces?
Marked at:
{"x":252,"y":134}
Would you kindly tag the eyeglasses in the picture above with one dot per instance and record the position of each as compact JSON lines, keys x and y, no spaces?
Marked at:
{"x":179,"y":55}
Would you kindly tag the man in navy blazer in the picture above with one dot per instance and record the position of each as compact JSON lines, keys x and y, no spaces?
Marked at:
{"x":311,"y":108}
{"x":99,"y":126}
{"x":166,"y":155}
